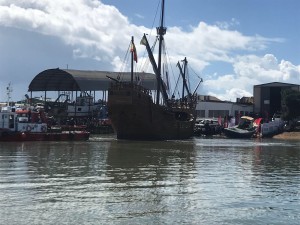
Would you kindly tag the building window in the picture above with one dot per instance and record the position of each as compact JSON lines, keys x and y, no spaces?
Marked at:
{"x":217,"y":113}
{"x":201,"y":113}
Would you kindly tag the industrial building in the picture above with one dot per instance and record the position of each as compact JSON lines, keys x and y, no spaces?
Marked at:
{"x":267,"y":97}
{"x":212,"y":107}
{"x":82,"y":80}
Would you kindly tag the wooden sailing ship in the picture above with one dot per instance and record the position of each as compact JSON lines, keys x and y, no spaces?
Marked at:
{"x":136,"y":115}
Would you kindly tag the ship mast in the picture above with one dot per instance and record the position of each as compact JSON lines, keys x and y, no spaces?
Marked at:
{"x":8,"y":93}
{"x":183,"y":74}
{"x":161,"y":31}
{"x":184,"y":77}
{"x":132,"y":58}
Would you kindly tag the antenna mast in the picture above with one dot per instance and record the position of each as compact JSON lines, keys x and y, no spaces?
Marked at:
{"x":8,"y":93}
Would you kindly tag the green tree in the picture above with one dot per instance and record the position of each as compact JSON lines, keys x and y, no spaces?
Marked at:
{"x":290,"y":104}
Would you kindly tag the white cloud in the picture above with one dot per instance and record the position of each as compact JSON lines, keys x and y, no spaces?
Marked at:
{"x":205,"y":44}
{"x":228,"y":24}
{"x":251,"y":70}
{"x":266,"y":69}
{"x":229,"y":87}
{"x":231,"y":94}
{"x":290,"y":72}
{"x":83,"y":24}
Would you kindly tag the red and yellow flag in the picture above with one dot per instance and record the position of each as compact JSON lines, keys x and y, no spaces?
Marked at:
{"x":133,"y":50}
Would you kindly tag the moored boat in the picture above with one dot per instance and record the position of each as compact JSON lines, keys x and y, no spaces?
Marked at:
{"x":245,"y":129}
{"x":27,"y":125}
{"x":236,"y":132}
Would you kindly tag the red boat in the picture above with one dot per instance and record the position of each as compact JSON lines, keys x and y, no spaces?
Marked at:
{"x":27,"y":125}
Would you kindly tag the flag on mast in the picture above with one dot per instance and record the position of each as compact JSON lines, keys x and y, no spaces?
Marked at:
{"x":133,"y":50}
{"x":144,"y":40}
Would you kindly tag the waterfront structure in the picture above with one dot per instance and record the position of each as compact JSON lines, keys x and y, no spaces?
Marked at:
{"x":212,"y":107}
{"x":67,"y":80}
{"x":267,"y":97}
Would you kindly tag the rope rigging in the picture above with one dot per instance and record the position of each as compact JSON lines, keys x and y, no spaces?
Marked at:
{"x":124,"y":64}
{"x":168,"y":80}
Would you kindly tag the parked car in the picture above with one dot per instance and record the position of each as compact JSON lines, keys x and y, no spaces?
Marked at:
{"x":207,"y":127}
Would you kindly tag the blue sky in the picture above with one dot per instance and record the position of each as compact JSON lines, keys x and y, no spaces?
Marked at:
{"x":231,"y":44}
{"x":267,"y":18}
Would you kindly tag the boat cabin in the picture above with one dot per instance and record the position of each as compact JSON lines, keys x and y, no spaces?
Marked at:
{"x":12,"y":119}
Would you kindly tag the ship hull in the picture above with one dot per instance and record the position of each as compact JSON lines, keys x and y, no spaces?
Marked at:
{"x":28,"y":136}
{"x":134,"y":116}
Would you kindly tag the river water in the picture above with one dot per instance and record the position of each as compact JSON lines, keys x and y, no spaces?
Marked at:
{"x":108,"y":181}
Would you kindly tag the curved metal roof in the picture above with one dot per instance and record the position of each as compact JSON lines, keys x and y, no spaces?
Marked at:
{"x":82,"y":80}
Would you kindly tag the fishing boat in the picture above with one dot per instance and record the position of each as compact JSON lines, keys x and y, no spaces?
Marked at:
{"x":245,"y":129}
{"x":82,"y":107}
{"x":27,"y":125}
{"x":135,"y":114}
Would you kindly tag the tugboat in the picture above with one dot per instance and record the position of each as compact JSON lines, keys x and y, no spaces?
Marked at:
{"x":27,"y":125}
{"x":135,"y":115}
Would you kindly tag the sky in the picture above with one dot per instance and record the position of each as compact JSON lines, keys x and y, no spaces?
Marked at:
{"x":231,"y":44}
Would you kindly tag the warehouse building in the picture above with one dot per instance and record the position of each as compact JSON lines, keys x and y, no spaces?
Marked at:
{"x":267,"y":97}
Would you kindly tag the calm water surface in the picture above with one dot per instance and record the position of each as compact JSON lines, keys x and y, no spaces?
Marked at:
{"x":106,"y":181}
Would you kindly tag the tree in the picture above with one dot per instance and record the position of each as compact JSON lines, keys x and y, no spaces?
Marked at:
{"x":290,"y":104}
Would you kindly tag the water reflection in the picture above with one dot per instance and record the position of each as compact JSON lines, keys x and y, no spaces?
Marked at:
{"x":148,"y":177}
{"x":208,"y":181}
{"x":150,"y":161}
{"x":277,"y":156}
{"x":276,"y":173}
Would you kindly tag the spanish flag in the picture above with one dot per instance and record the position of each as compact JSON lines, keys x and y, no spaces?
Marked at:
{"x":133,"y":50}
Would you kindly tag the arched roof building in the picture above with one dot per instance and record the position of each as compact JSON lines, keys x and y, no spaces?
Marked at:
{"x":81,"y":80}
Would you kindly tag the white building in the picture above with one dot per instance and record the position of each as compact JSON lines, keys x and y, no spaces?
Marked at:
{"x":211,"y":107}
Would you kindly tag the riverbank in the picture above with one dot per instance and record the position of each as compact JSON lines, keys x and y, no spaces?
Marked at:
{"x":288,"y":136}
